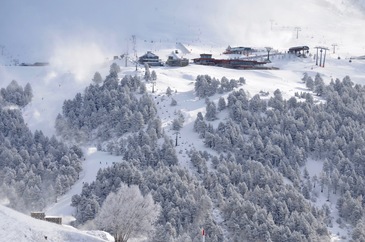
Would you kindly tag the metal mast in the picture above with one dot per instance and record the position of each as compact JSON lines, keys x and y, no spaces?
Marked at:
{"x":298,"y":29}
{"x":135,"y":50}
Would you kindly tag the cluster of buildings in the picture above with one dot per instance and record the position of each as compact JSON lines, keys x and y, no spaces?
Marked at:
{"x":206,"y":59}
{"x":237,"y":58}
{"x":174,"y":59}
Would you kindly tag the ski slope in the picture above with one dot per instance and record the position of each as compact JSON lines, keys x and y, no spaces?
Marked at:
{"x":181,"y":81}
{"x":77,"y":51}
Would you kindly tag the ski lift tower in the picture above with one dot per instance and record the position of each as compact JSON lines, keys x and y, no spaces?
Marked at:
{"x":268,"y":49}
{"x":125,"y":55}
{"x":322,"y":56}
{"x":135,"y":50}
{"x":298,"y":29}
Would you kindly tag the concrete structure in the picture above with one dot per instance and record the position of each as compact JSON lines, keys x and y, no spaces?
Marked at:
{"x":52,"y":219}
{"x":38,"y":215}
{"x":42,"y":216}
{"x":239,"y":50}
{"x":175,"y":59}
{"x":206,"y":59}
{"x":150,"y":58}
{"x":300,"y":51}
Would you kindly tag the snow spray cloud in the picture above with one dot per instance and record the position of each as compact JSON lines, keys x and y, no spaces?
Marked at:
{"x":78,"y":57}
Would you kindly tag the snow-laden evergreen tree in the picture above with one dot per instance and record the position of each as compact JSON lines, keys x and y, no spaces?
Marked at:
{"x":221,"y":104}
{"x":305,"y":77}
{"x":309,"y":83}
{"x":142,"y":88}
{"x":256,"y":104}
{"x":225,"y":84}
{"x":97,"y":79}
{"x":319,"y":85}
{"x":176,"y":124}
{"x":257,"y":145}
{"x":211,"y":111}
{"x":287,"y":129}
{"x":153,"y":75}
{"x":173,"y":102}
{"x":199,"y":162}
{"x":34,"y":169}
{"x":114,"y":68}
{"x":358,"y":234}
{"x":199,"y":125}
{"x":147,"y":72}
{"x":232,"y":84}
{"x":277,"y":101}
{"x":110,"y":109}
{"x":206,"y":86}
{"x":242,"y":80}
{"x":16,"y":94}
{"x":28,"y":93}
{"x":168,"y":91}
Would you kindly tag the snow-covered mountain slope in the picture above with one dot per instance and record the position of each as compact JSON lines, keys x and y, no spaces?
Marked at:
{"x":181,"y":81}
{"x":52,"y":86}
{"x":94,"y":161}
{"x":15,"y":226}
{"x":76,"y":51}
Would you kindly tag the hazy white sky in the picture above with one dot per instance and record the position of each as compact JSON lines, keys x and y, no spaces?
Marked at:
{"x":36,"y":27}
{"x":41,"y":22}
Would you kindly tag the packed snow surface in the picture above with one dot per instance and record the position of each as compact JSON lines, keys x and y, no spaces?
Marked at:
{"x":15,"y":226}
